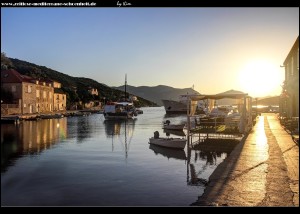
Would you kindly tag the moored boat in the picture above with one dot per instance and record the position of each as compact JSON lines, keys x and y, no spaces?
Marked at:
{"x":119,"y":110}
{"x":174,"y":143}
{"x":178,"y":107}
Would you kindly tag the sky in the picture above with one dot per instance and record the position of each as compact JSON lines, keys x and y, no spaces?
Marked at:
{"x":210,"y":49}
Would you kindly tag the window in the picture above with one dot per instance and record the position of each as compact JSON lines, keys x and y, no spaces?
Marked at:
{"x":29,"y":88}
{"x":37,"y":93}
{"x":24,"y":105}
{"x":44,"y":94}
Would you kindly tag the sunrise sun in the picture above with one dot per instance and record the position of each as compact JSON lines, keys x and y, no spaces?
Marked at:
{"x":261,"y":78}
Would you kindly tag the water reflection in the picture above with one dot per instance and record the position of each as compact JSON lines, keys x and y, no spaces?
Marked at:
{"x":89,"y":173}
{"x":11,"y":145}
{"x":205,"y":156}
{"x":202,"y":158}
{"x":121,"y":129}
{"x":169,"y":153}
{"x":81,"y":128}
{"x":30,"y":137}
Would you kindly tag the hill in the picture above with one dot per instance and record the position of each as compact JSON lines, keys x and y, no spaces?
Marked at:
{"x":76,"y":88}
{"x":158,"y":93}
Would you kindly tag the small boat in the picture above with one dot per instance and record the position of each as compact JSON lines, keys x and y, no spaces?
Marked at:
{"x":174,"y":143}
{"x":167,"y":125}
{"x":119,"y":111}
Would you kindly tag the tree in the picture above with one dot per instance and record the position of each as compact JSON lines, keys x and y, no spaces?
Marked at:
{"x":5,"y":62}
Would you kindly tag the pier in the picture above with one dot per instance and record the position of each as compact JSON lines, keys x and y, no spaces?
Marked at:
{"x":262,"y":170}
{"x":17,"y":118}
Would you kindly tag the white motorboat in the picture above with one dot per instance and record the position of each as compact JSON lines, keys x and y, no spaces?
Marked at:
{"x":119,"y":110}
{"x":178,"y":107}
{"x":169,"y":142}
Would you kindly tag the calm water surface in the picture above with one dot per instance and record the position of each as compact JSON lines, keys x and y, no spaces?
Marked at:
{"x":87,"y":161}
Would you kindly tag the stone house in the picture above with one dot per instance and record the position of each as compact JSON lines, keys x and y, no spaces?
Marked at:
{"x":30,"y":95}
{"x":23,"y":90}
{"x":59,"y":98}
{"x":44,"y":96}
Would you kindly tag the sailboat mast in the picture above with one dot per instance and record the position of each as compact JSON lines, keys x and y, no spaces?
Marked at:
{"x":125,"y":86}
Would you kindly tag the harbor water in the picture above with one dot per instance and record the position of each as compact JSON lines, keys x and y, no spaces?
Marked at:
{"x":88,"y":161}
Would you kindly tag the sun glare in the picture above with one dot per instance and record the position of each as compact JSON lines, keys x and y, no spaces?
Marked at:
{"x":261,"y":78}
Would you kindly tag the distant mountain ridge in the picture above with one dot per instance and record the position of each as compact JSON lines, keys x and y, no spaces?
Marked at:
{"x":157,"y":93}
{"x":146,"y":94}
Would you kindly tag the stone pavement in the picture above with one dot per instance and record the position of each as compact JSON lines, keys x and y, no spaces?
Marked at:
{"x":262,"y":170}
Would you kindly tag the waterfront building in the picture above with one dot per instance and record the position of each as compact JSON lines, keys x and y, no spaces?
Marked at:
{"x":289,"y":99}
{"x":29,"y":95}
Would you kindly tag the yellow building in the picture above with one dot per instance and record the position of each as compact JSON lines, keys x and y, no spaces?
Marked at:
{"x":23,"y":92}
{"x":59,"y":98}
{"x":44,"y":96}
{"x":30,"y":95}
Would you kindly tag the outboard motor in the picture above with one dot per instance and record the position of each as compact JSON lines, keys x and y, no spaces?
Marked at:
{"x":156,"y":134}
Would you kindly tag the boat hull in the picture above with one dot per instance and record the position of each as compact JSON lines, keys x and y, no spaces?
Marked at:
{"x":174,"y":127}
{"x":174,"y":143}
{"x":175,"y":107}
{"x":116,"y":116}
